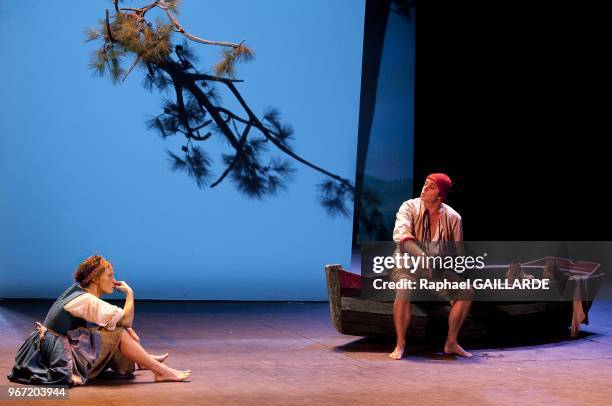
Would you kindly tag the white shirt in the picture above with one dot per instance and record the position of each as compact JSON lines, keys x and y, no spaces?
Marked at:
{"x":409,"y":223}
{"x":95,"y":310}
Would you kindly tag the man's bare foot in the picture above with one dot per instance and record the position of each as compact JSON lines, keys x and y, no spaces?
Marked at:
{"x":397,"y":353}
{"x":172,"y":375}
{"x":158,"y":358}
{"x":455,"y":348}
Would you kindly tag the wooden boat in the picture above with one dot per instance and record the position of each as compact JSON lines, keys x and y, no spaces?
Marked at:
{"x":357,"y":316}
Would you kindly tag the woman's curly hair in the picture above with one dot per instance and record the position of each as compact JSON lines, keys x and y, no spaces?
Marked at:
{"x":91,"y":268}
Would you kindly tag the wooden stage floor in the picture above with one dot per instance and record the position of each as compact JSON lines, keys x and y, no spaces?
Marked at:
{"x":288,"y":353}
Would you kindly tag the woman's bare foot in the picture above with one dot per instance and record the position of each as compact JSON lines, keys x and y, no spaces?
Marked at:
{"x":158,"y":358}
{"x":172,"y":375}
{"x":397,"y":353}
{"x":455,"y":348}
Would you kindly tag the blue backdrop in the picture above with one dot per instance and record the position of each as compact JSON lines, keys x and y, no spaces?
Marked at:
{"x":80,"y":173}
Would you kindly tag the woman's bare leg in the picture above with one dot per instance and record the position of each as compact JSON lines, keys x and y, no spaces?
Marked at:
{"x":133,"y":351}
{"x":158,"y":358}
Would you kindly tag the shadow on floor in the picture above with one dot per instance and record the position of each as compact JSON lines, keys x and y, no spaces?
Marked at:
{"x":433,"y":349}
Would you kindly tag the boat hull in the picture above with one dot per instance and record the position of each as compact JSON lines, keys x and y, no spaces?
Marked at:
{"x":353,"y":315}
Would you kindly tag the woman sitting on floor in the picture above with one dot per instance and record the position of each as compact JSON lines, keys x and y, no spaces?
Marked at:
{"x":67,"y":350}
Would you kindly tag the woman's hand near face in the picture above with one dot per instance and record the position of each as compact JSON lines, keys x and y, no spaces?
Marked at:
{"x":128,"y":307}
{"x":122,"y":286}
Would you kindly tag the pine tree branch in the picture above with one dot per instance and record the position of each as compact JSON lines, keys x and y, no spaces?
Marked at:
{"x":180,"y":104}
{"x":131,"y":67}
{"x":253,"y":120}
{"x":268,"y":134}
{"x":141,"y":11}
{"x":233,"y":115}
{"x":108,"y":29}
{"x":227,"y":122}
{"x":204,"y":76}
{"x":207,"y":122}
{"x":214,"y":114}
{"x":200,"y":138}
{"x":164,"y":6}
{"x":236,"y":157}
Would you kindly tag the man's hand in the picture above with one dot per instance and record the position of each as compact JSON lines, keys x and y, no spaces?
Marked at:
{"x":122,"y":286}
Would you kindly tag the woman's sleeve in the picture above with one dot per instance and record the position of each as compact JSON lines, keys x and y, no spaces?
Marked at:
{"x":95,"y":310}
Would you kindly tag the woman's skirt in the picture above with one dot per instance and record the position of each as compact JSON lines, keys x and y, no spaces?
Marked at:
{"x":48,"y":358}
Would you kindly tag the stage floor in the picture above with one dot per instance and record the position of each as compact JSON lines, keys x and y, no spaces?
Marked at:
{"x":289,"y":353}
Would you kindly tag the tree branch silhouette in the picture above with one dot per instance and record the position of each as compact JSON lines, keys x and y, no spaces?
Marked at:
{"x":251,"y":163}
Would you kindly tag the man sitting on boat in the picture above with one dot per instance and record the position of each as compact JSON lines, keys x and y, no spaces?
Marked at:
{"x":423,"y":224}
